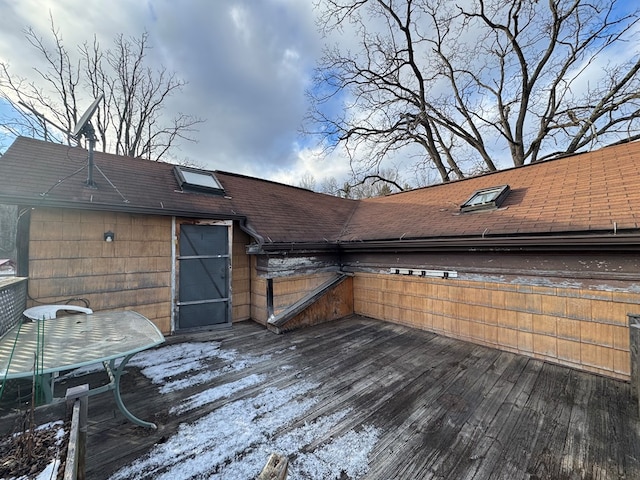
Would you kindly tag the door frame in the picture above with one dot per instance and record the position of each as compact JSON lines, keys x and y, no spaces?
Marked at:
{"x":175,"y":272}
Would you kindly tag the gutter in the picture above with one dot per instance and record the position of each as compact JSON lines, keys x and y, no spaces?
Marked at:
{"x":564,"y":242}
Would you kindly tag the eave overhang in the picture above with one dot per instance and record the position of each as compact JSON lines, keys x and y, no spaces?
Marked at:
{"x":285,"y":248}
{"x":118,"y":208}
{"x":548,"y":242}
{"x":531,"y":243}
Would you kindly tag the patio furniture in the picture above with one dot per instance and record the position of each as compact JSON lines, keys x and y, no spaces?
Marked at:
{"x":44,"y":348}
{"x":47,"y":312}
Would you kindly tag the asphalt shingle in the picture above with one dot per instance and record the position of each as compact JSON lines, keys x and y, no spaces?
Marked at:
{"x":592,"y":192}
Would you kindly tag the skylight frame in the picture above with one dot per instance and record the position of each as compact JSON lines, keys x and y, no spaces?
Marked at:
{"x":485,"y":199}
{"x":194,"y":179}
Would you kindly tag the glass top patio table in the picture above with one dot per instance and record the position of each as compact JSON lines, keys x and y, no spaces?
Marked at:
{"x":74,"y":341}
{"x":45,"y":347}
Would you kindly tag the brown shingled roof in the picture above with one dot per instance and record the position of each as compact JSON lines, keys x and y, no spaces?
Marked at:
{"x":594,"y":192}
{"x":584,"y":193}
{"x":282,"y":213}
{"x":38,"y":173}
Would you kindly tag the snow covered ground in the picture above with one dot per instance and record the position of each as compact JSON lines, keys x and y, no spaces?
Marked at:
{"x":235,"y":440}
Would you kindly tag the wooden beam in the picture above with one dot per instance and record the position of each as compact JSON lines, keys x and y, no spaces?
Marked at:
{"x":275,"y":469}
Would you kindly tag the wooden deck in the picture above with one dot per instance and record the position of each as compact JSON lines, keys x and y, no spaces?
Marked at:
{"x":441,"y":408}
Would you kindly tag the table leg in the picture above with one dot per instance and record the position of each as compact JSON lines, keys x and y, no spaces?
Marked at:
{"x":116,"y":373}
{"x":46,"y":386}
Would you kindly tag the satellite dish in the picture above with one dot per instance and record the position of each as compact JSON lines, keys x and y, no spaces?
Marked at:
{"x":84,"y":120}
{"x":84,"y":127}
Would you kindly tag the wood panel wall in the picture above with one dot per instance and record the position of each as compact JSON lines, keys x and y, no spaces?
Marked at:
{"x":581,"y":328}
{"x":240,"y":276}
{"x":334,"y":304}
{"x":286,"y":291}
{"x":69,"y":259}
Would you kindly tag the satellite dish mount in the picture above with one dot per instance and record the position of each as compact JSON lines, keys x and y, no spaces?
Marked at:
{"x":84,"y":128}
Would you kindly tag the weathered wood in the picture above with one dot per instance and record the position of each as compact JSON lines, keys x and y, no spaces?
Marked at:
{"x":634,"y":346}
{"x":329,"y":301}
{"x":275,"y":469}
{"x":73,"y":446}
{"x":443,"y":408}
{"x":78,"y":402}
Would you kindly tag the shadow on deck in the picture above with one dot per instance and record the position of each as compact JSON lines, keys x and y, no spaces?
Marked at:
{"x":408,"y":404}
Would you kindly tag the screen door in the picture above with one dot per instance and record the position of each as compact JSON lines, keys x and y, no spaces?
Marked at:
{"x":204,"y":277}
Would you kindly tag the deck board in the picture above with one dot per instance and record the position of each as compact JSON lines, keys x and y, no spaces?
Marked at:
{"x":444,"y":408}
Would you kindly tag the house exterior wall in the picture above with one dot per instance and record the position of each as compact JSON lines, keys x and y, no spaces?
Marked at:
{"x":68,"y":258}
{"x":258,"y":294}
{"x":288,"y":290}
{"x":585,"y":328}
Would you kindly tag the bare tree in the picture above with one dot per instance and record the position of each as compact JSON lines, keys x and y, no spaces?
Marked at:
{"x":476,"y":80}
{"x":307,"y":181}
{"x":130,"y":120}
{"x":385,"y":182}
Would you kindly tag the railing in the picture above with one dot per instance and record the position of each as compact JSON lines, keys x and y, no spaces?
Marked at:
{"x":13,"y":301}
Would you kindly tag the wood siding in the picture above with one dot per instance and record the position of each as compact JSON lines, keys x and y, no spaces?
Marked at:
{"x":258,"y":294}
{"x":69,"y":259}
{"x":576,"y":327}
{"x":240,"y":276}
{"x":286,"y":291}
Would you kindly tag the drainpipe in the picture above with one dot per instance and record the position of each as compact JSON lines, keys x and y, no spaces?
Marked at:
{"x":270,"y":314}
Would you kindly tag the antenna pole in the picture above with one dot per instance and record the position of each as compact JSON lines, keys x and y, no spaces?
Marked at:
{"x":90,"y":135}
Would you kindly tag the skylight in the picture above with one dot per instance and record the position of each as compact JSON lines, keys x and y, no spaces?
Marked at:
{"x":198,"y":180}
{"x":485,"y":199}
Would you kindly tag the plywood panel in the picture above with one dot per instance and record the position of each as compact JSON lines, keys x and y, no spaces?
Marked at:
{"x":336,"y":303}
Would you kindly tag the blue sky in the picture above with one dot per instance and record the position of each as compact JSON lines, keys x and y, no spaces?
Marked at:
{"x":247,"y":64}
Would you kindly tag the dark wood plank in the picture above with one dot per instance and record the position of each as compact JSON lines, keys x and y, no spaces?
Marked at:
{"x":443,"y":408}
{"x":457,"y":458}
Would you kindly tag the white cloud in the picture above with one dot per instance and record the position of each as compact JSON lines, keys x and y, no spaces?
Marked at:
{"x":316,"y":162}
{"x":239,"y":18}
{"x":247,"y":65}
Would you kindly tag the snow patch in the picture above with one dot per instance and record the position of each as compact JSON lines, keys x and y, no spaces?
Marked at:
{"x":235,"y":440}
{"x":212,"y":394}
{"x":223,"y":435}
